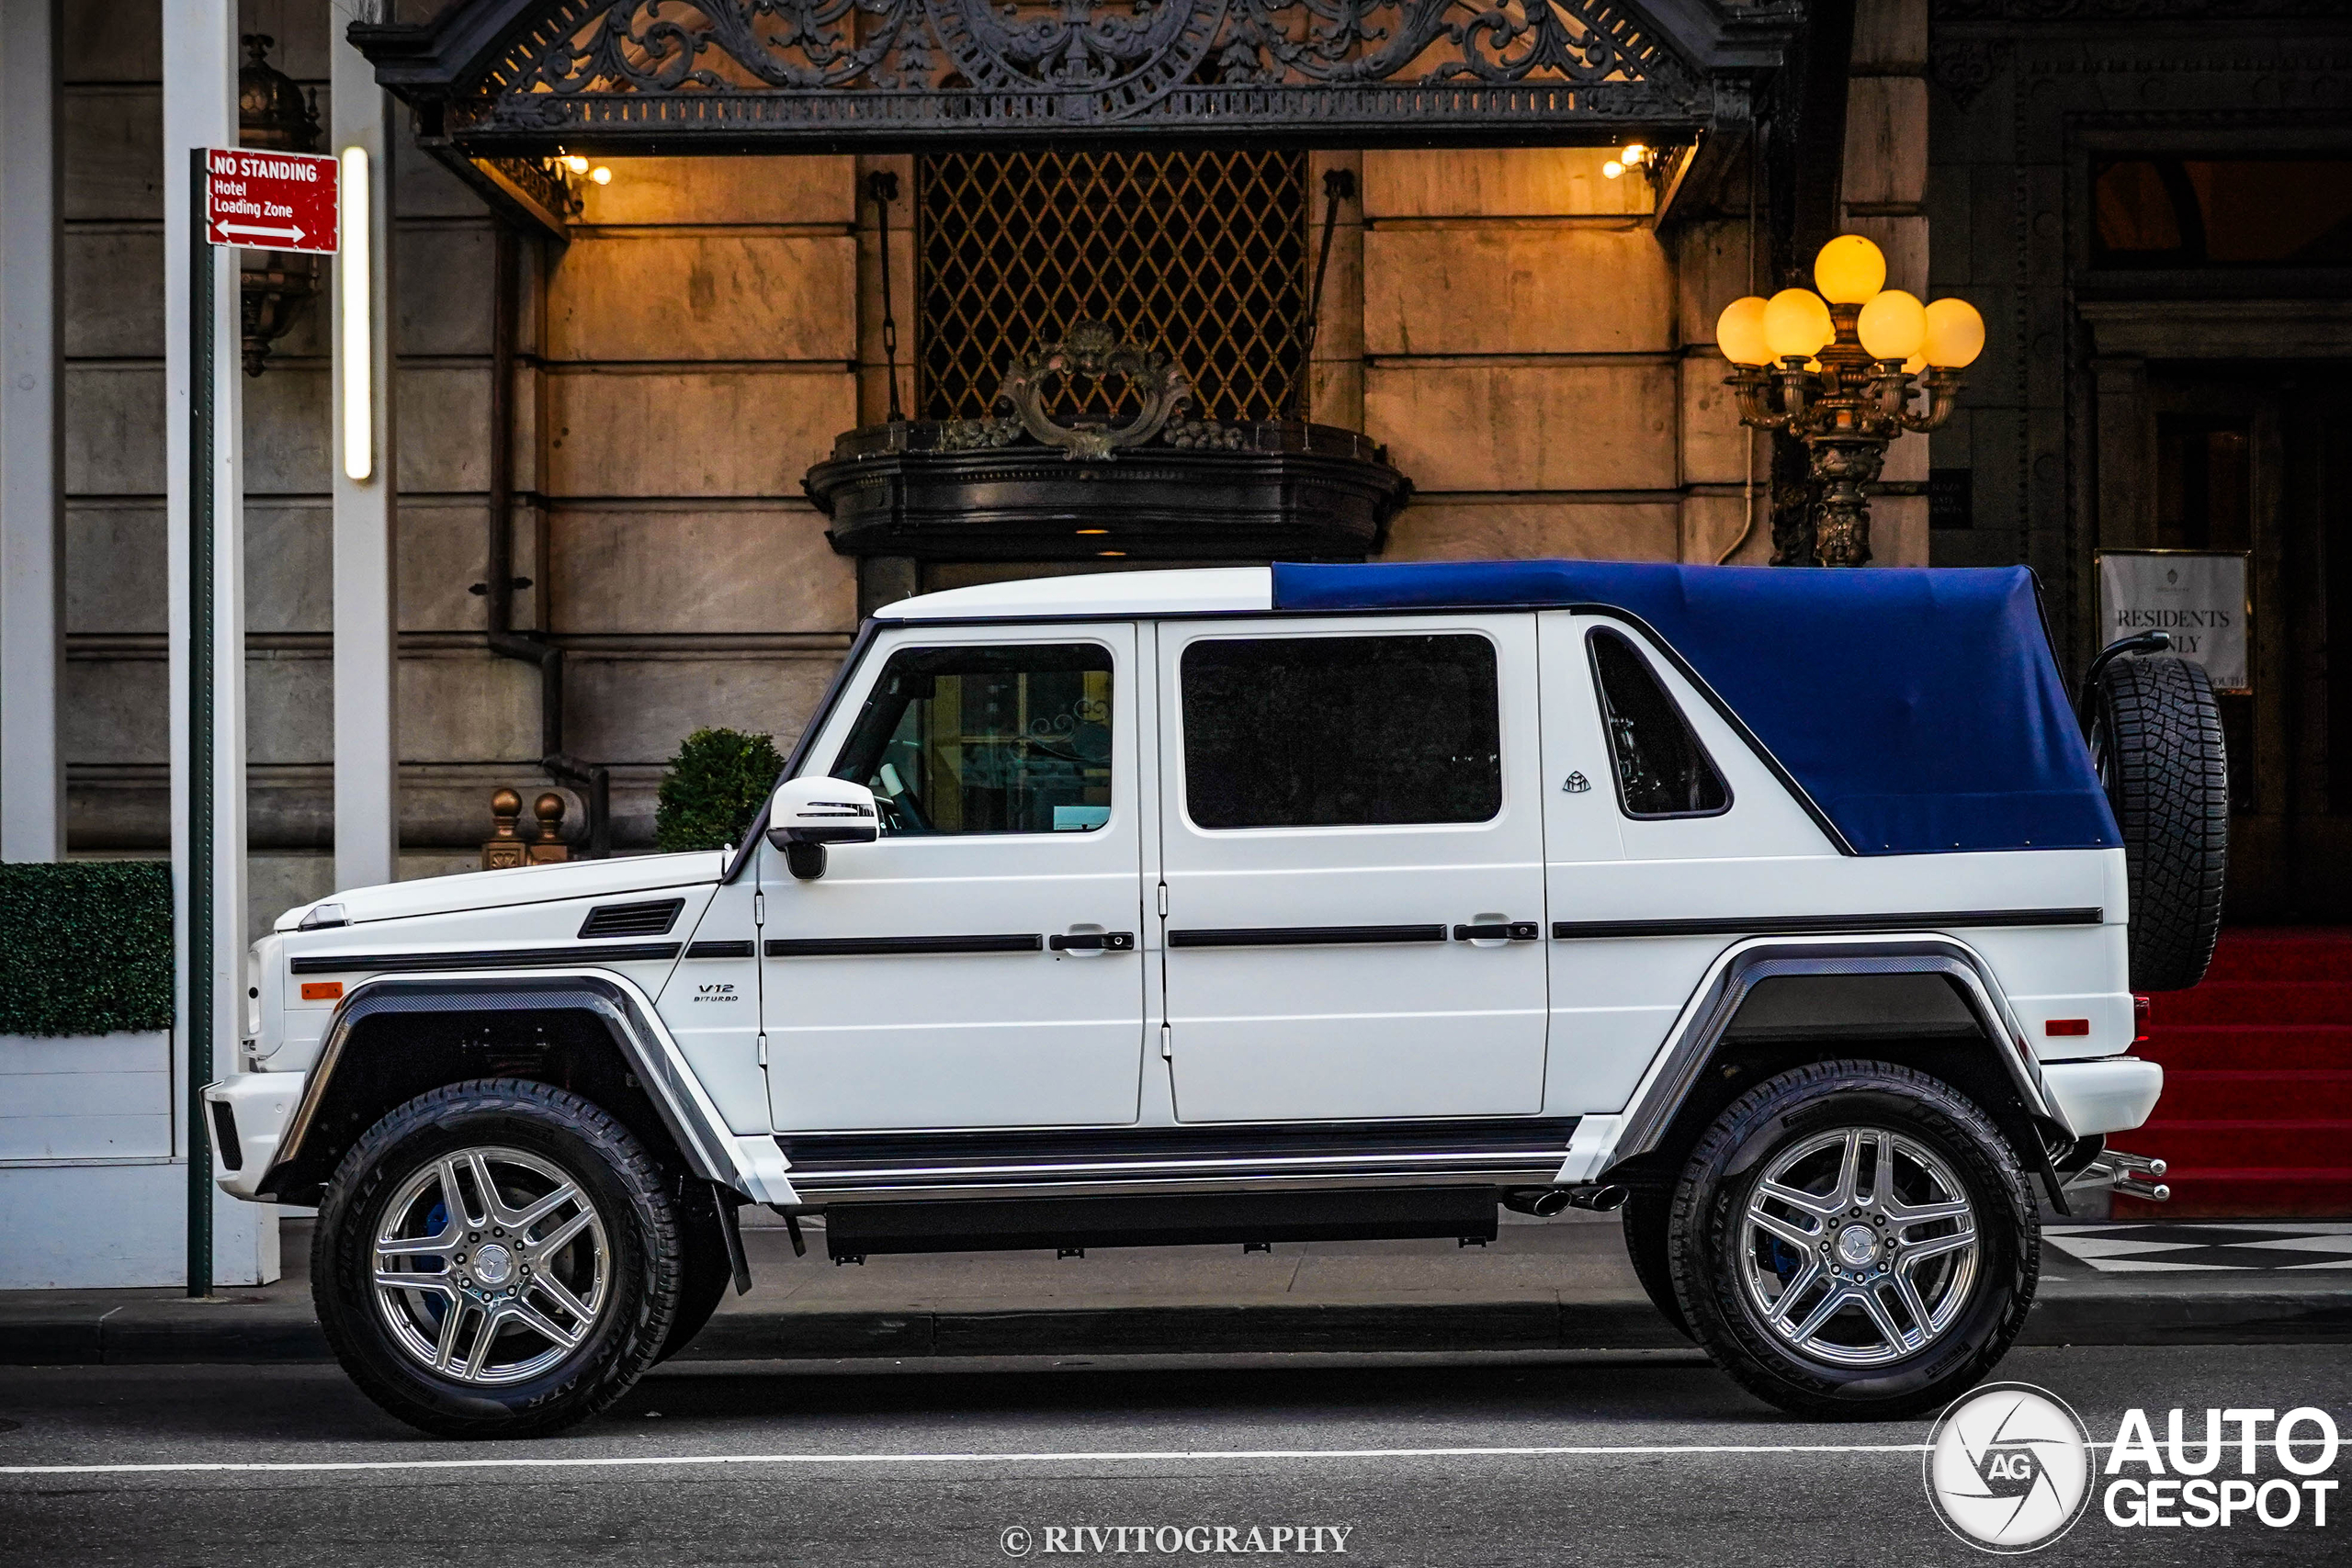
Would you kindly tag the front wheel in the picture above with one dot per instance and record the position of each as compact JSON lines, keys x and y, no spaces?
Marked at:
{"x":1855,"y":1240}
{"x":496,"y":1259}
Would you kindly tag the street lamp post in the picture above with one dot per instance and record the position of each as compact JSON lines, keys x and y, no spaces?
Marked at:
{"x":1839,"y":370}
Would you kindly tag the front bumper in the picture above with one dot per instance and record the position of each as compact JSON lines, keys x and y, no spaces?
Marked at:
{"x":255,"y":1106}
{"x":2107,"y":1094}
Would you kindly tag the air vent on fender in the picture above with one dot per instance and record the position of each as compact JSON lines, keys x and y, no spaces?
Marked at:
{"x":632,"y":919}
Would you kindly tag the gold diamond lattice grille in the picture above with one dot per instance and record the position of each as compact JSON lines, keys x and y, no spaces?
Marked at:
{"x":1202,"y":256}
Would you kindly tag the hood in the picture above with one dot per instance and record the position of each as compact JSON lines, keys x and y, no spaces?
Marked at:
{"x":519,"y":884}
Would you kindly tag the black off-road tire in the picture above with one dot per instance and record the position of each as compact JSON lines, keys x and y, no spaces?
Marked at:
{"x":708,"y":1271}
{"x":631,"y":1192}
{"x":1708,"y":1203}
{"x":2156,"y":737}
{"x":1647,"y":1217}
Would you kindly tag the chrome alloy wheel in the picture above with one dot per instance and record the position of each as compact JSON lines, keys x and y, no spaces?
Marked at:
{"x":490,"y":1266}
{"x":1858,"y":1247}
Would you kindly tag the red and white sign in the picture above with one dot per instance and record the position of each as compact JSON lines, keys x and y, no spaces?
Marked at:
{"x":271,"y":201}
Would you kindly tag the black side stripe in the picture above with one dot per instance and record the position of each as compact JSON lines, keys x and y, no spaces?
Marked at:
{"x":1303,"y":936}
{"x":1816,"y":925}
{"x":721,"y":949}
{"x":496,"y":958}
{"x":862,"y":946}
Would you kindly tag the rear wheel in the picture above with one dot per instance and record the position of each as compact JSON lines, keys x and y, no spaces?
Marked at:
{"x":1855,"y":1240}
{"x":496,"y":1259}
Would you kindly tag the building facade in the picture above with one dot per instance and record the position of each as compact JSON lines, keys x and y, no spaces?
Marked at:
{"x":646,"y":284}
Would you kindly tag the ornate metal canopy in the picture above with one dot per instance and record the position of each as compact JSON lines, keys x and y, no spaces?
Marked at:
{"x":501,"y":83}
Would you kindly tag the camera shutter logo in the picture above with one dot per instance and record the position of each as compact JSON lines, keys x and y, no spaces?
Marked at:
{"x":2008,"y":1468}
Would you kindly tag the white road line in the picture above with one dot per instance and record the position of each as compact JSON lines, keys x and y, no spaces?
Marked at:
{"x":280,"y":1467}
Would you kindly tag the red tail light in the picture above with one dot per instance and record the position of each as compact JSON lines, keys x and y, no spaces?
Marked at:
{"x":2139,"y":1021}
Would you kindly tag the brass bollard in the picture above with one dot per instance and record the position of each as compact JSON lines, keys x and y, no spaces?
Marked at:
{"x":504,"y":847}
{"x":550,"y":849}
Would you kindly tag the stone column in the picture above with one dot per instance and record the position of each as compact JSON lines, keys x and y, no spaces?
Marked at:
{"x":2126,"y":453}
{"x":1885,"y":192}
{"x":32,"y":556}
{"x":367,"y":756}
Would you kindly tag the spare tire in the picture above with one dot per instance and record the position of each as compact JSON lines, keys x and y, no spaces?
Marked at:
{"x":2156,"y":735}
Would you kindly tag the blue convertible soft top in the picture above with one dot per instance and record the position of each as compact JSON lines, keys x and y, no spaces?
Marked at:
{"x":1919,"y":708}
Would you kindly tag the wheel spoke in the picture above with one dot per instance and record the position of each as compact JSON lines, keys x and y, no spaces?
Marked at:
{"x":444,"y":1245}
{"x":453,"y":1198}
{"x":1813,"y":1203}
{"x":479,"y":1358}
{"x":556,"y":1239}
{"x":560,"y":1293}
{"x":445,"y":1346}
{"x":1771,"y":1223}
{"x":526,"y":1219}
{"x":1868,"y":1298}
{"x":1925,"y":1213}
{"x":521,"y":1311}
{"x":1850,"y":1170}
{"x":1907,"y":1290}
{"x":1794,"y":1292}
{"x":431,"y":1285}
{"x":1918,"y":1252}
{"x":1822,"y":1313}
{"x":494,"y":1209}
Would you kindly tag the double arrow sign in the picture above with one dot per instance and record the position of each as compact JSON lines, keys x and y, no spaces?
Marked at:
{"x":278,"y":201}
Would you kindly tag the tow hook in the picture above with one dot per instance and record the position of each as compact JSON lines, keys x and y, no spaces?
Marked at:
{"x":2134,"y":1176}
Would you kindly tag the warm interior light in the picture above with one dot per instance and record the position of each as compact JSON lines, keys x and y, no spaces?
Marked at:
{"x":1636,"y":153}
{"x":1955,"y":334}
{"x":353,"y":303}
{"x":1612,"y":169}
{"x":1893,"y":325}
{"x":601,"y":174}
{"x":1739,"y":332}
{"x":575,"y":163}
{"x":1849,"y":270}
{"x":1796,"y":321}
{"x":1094,"y":530}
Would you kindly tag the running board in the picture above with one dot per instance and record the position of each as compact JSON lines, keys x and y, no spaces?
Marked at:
{"x":1070,"y":1226}
{"x":826,"y":1167}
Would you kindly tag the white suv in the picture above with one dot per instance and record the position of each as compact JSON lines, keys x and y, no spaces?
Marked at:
{"x":1786,"y":909}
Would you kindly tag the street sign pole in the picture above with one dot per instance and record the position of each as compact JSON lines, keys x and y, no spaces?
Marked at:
{"x":203,"y":784}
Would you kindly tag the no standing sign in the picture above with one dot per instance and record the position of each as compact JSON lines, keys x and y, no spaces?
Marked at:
{"x":271,"y":201}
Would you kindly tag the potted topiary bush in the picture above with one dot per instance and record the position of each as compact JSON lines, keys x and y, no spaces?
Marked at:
{"x":713,"y":788}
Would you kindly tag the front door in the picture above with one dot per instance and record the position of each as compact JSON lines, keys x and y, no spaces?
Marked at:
{"x":1353,"y":853}
{"x":981,"y":966}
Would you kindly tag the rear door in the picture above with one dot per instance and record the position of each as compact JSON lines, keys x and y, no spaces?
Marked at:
{"x":1352,"y":848}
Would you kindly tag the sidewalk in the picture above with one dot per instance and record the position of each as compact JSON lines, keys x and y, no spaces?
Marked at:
{"x":1553,"y":1284}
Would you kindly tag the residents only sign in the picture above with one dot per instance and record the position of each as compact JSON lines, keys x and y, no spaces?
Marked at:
{"x":2198,"y":596}
{"x":271,"y":201}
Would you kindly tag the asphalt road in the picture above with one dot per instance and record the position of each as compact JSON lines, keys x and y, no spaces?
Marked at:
{"x":730,"y":1462}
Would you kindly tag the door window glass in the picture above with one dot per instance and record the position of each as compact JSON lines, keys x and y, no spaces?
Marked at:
{"x":1662,"y":771}
{"x":1341,"y":731}
{"x":987,"y":740}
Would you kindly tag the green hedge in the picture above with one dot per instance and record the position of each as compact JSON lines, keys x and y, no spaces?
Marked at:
{"x":86,"y":947}
{"x":714,"y":786}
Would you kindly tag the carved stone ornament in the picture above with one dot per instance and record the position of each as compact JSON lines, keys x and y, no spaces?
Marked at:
{"x":1093,"y":351}
{"x":1967,"y":66}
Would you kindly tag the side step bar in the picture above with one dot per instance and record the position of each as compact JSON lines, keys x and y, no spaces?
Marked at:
{"x":1070,"y":1225}
{"x":829,"y":1168}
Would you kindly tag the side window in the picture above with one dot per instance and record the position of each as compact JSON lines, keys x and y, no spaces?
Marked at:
{"x":1662,"y":771}
{"x":1341,"y":731}
{"x":991,"y":740}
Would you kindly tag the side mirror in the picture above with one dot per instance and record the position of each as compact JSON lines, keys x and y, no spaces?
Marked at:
{"x":807,"y":814}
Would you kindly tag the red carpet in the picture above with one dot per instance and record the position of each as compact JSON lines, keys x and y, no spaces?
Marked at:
{"x":2257,"y":1114}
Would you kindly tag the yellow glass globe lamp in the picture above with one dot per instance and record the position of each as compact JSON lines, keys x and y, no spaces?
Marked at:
{"x":1893,"y":325}
{"x":1849,"y":270}
{"x":1955,"y":334}
{"x":1796,"y":321}
{"x":1739,"y":332}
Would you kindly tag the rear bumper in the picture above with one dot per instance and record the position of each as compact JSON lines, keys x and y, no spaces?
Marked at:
{"x":2110,"y":1094}
{"x":257,"y":1105}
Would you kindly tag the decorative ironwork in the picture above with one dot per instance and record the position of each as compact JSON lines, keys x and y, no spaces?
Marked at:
{"x":884,"y":68}
{"x":1094,"y":352}
{"x":1200,"y":256}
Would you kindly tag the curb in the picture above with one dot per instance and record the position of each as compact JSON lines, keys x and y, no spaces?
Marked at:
{"x":152,"y":1333}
